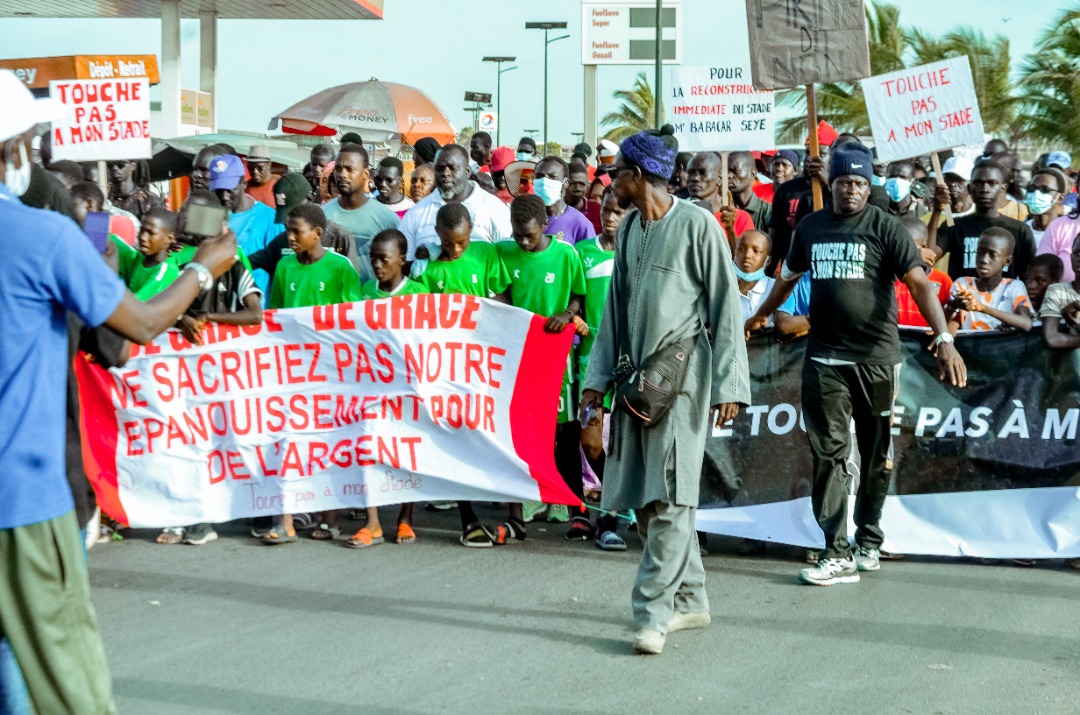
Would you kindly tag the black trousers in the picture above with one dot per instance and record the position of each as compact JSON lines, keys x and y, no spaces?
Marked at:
{"x":833,"y":395}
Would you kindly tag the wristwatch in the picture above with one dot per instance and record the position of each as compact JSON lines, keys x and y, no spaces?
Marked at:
{"x":940,"y":338}
{"x":206,"y":278}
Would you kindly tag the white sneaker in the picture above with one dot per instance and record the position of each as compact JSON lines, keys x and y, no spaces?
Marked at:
{"x":830,"y":571}
{"x":687,"y":621}
{"x":648,"y":642}
{"x":868,"y":559}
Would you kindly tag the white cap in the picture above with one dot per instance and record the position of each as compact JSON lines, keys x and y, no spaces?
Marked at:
{"x":959,"y":165}
{"x":20,"y":110}
{"x":607,"y":148}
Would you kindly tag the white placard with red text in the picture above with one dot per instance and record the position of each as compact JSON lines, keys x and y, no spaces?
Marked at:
{"x":924,"y":109}
{"x":107,"y":119}
{"x":412,"y":398}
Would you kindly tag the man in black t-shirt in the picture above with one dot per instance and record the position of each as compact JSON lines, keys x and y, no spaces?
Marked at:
{"x":854,"y":253}
{"x":794,"y":200}
{"x":961,"y":241}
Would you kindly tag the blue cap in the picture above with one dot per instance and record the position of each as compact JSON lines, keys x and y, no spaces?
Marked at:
{"x":1060,"y":159}
{"x":226,"y":172}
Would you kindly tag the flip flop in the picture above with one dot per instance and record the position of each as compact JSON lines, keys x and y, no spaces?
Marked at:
{"x":476,"y":536}
{"x":364,"y":538}
{"x":278,"y":535}
{"x":325,"y":532}
{"x":405,"y":534}
{"x":509,"y":532}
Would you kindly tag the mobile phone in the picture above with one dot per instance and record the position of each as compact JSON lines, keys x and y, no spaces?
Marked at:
{"x":96,"y":228}
{"x":204,"y":221}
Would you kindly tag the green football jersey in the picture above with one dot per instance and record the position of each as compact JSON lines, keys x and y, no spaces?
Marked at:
{"x":477,"y":272}
{"x":183,"y":257}
{"x":147,"y":281}
{"x":127,"y":257}
{"x":329,"y":280}
{"x":370,"y":290}
{"x":598,"y":264}
{"x":543,"y":282}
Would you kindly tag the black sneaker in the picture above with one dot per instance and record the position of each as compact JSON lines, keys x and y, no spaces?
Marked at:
{"x":199,"y":534}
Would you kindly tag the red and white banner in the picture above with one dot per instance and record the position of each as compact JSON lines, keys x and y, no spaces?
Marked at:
{"x":412,"y":398}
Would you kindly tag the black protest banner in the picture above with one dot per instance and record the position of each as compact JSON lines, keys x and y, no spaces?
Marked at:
{"x":1014,"y":426}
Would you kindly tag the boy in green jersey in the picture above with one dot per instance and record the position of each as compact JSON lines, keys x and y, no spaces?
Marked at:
{"x":598,"y":259}
{"x":471,"y":268}
{"x":547,"y":279}
{"x":388,"y":249}
{"x":153,"y":272}
{"x":315,"y":276}
{"x":464,"y":266}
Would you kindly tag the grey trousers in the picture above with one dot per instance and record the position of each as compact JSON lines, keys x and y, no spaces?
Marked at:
{"x":670,"y":577}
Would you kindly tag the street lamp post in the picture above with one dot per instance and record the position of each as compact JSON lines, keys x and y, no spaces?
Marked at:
{"x":546,"y":27}
{"x":498,"y":90}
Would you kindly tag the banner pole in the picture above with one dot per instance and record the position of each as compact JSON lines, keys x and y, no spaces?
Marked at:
{"x":940,"y":177}
{"x":815,"y":148}
{"x":724,"y":178}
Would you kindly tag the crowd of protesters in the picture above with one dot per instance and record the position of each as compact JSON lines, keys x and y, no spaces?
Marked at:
{"x":996,"y":237}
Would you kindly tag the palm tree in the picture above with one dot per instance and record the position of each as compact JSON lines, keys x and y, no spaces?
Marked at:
{"x":635,"y":114}
{"x":1050,"y":83}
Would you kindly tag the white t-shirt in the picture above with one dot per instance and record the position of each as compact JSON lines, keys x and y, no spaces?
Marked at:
{"x":755,"y":297}
{"x":1058,"y":297}
{"x":1008,"y":297}
{"x":490,"y":217}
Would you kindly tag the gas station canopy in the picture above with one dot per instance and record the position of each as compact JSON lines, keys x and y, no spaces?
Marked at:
{"x":223,"y":9}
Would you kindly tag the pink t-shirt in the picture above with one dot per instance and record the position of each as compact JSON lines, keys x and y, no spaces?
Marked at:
{"x":1058,"y":240}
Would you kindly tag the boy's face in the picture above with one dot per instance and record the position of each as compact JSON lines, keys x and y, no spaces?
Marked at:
{"x":454,"y":241}
{"x":387,"y":261}
{"x":993,"y":255}
{"x":528,"y":235}
{"x":81,"y":207}
{"x":302,"y":236}
{"x":1037,"y":280}
{"x":579,"y":184}
{"x":611,"y":215}
{"x":153,"y":237}
{"x":751,"y":252}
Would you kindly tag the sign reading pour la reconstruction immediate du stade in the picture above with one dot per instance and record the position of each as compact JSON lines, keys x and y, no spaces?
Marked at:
{"x":717,"y":108}
{"x":623,"y":32}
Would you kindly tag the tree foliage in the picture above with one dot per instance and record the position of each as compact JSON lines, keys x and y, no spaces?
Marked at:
{"x":1049,"y":94}
{"x":635,"y":113}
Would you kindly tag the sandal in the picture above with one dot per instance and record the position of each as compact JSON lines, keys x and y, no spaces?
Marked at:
{"x":476,"y":536}
{"x":508,"y":532}
{"x":172,"y":535}
{"x":610,"y":541}
{"x":405,"y":534}
{"x":357,"y":514}
{"x":325,"y":532}
{"x":279,"y":535}
{"x":581,"y":529}
{"x":364,"y":538}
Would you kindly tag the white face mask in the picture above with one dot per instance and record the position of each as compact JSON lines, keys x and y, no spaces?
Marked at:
{"x":17,"y":180}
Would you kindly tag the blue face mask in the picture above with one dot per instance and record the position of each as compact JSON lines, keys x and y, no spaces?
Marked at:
{"x":1039,"y":202}
{"x":549,"y":190}
{"x":524,"y":156}
{"x":749,"y":277}
{"x":898,"y":189}
{"x":876,"y":180}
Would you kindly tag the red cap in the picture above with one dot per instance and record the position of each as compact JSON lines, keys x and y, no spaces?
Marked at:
{"x":500,"y":157}
{"x":826,"y":135}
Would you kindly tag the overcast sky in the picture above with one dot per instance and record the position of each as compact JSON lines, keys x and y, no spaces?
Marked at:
{"x":437,"y":45}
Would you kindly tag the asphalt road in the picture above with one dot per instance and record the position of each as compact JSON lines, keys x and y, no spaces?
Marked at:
{"x":544,"y":627}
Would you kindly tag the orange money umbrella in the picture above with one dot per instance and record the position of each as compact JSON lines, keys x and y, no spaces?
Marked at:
{"x":381,"y":112}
